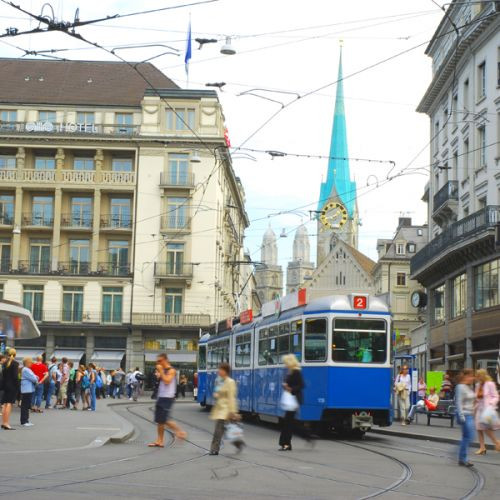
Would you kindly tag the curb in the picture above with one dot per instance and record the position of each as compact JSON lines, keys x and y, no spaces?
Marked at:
{"x":127,"y":430}
{"x":424,"y":437}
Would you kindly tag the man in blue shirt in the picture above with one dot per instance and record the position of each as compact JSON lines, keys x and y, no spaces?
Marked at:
{"x":29,"y":382}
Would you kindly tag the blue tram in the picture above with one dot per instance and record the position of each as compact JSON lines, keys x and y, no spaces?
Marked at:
{"x":343,"y":345}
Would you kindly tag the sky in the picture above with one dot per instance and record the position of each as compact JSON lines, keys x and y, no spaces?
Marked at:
{"x":286,"y":48}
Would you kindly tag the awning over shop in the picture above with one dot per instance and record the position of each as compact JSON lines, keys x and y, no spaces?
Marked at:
{"x":174,"y":357}
{"x":109,"y":360}
{"x":28,"y":353}
{"x":71,"y":354}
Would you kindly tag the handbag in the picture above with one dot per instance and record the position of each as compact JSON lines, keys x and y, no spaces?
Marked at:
{"x":288,"y":401}
{"x":489,"y":418}
{"x":234,"y":432}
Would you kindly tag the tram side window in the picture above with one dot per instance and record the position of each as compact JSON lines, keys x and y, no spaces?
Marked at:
{"x":224,"y":357}
{"x":263,"y":347}
{"x":316,"y":335}
{"x":202,"y":357}
{"x":273,"y":346}
{"x":242,"y":351}
{"x":296,"y":339}
{"x":284,"y":340}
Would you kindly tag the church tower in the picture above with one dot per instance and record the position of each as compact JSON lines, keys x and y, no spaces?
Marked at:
{"x":337,"y":206}
{"x":301,"y":266}
{"x":268,"y":275}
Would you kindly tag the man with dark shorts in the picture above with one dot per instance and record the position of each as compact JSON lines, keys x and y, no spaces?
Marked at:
{"x":166,"y":395}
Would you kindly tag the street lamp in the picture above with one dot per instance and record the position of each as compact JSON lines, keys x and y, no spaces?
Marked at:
{"x":227,"y":49}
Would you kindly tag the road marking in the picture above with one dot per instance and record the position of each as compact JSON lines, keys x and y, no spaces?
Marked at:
{"x":98,"y":428}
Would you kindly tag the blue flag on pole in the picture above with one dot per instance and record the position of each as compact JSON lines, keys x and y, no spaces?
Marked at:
{"x":187,"y":57}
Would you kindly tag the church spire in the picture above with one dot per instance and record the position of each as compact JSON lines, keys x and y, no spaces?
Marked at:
{"x":338,"y":180}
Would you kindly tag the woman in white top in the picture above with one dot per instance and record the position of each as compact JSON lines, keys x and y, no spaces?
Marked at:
{"x":402,"y":388}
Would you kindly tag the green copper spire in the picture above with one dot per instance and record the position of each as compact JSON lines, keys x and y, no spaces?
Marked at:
{"x":338,"y":180}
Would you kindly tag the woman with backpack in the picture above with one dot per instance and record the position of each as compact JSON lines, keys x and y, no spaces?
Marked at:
{"x":93,"y":386}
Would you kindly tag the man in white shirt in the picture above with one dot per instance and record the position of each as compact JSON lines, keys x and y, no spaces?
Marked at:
{"x":137,"y":377}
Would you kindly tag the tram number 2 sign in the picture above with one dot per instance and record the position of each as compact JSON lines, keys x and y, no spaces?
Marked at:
{"x":359,"y":302}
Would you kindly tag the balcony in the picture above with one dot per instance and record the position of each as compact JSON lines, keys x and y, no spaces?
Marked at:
{"x":167,"y":270}
{"x":70,"y":221}
{"x":5,"y":266}
{"x":74,"y":268}
{"x":176,"y":179}
{"x":175,"y":224}
{"x":113,"y":221}
{"x":445,"y":204}
{"x":78,"y":176}
{"x":8,"y":175}
{"x":113,"y":269}
{"x":116,"y":178}
{"x":39,"y":176}
{"x":473,"y":236}
{"x":39,"y":221}
{"x":160,"y":319}
{"x":75,"y":317}
{"x":34,"y":267}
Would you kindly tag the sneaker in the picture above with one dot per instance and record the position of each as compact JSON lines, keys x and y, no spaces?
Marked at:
{"x":28,"y":424}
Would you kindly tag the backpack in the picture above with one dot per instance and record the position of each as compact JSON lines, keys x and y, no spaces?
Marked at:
{"x":85,"y":381}
{"x":98,"y":381}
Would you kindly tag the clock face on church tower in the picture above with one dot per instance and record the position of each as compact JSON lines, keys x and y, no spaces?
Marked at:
{"x":333,"y":215}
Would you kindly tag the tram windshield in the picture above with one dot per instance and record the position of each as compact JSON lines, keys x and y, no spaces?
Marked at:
{"x":359,"y":340}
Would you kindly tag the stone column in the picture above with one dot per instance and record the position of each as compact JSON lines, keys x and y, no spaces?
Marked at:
{"x":135,"y":350}
{"x":95,"y":230}
{"x":447,"y":312}
{"x":468,"y":316}
{"x":16,"y":234}
{"x":49,"y":346}
{"x":56,"y":234}
{"x":89,"y":350}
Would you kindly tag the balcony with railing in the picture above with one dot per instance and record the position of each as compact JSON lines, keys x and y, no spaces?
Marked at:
{"x":177,"y":179}
{"x":71,"y":221}
{"x":160,"y":319}
{"x":77,"y":316}
{"x":40,"y":176}
{"x":74,"y":268}
{"x":34,"y":267}
{"x":113,"y":221}
{"x":8,"y":175}
{"x":6,"y":220}
{"x":38,"y":220}
{"x":173,"y":270}
{"x":445,"y":204}
{"x":5,"y":266}
{"x":175,"y":223}
{"x":113,"y":269}
{"x":461,"y":235}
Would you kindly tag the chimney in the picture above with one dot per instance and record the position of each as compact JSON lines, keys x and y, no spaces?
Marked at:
{"x":404,"y":222}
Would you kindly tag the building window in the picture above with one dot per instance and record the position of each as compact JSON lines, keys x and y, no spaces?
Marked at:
{"x":438,"y":295}
{"x":466,"y":159}
{"x":39,"y":256}
{"x":83,"y":164}
{"x":454,"y":110}
{"x":120,"y":212}
{"x":178,"y":168}
{"x":481,"y":131}
{"x":486,"y":285}
{"x":81,"y":212}
{"x":121,"y":165}
{"x":459,"y":294}
{"x":124,"y":122}
{"x":1,"y":291}
{"x":5,"y":255}
{"x":85,"y":117}
{"x":7,"y":162}
{"x":8,"y":119}
{"x":118,"y":257}
{"x":466,"y":97}
{"x":112,"y":304}
{"x":401,"y":279}
{"x":445,"y":124}
{"x":481,"y":80}
{"x":173,"y":300}
{"x":181,"y":119}
{"x":6,"y":209}
{"x":400,"y":249}
{"x":47,"y":116}
{"x":33,"y":300}
{"x":42,"y":211}
{"x":79,"y":256}
{"x":45,"y":163}
{"x":72,"y":304}
{"x":177,"y":213}
{"x":411,"y":246}
{"x":175,"y":258}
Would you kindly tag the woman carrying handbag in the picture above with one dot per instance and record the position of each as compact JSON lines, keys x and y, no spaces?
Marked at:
{"x":291,"y":399}
{"x":225,"y":409}
{"x":486,"y":410}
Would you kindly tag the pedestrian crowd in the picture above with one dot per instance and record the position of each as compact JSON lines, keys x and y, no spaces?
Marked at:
{"x":475,"y":399}
{"x":36,"y":386}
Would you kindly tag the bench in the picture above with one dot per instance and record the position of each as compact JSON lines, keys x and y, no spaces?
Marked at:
{"x":445,"y":409}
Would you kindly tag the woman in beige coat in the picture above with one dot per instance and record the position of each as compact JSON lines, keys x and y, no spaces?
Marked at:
{"x":225,"y":408}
